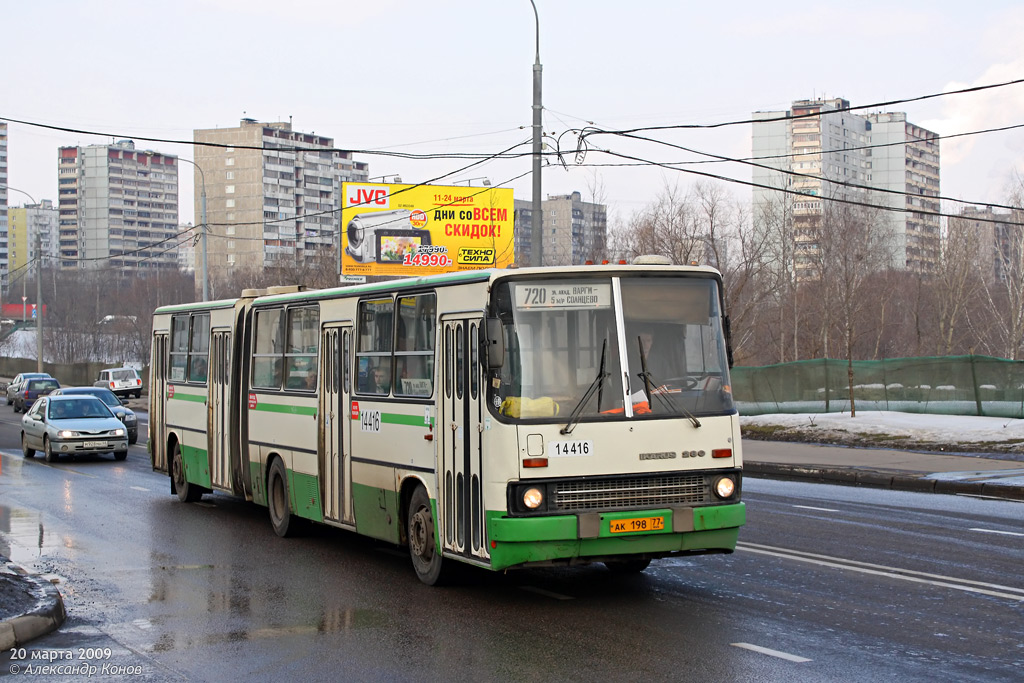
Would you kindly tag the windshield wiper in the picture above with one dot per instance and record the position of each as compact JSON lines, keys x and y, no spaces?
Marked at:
{"x":597,"y":385}
{"x":648,"y":380}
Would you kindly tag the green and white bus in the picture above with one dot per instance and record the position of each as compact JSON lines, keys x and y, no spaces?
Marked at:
{"x":500,"y":418}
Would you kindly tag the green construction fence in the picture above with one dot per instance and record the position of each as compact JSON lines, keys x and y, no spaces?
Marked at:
{"x":947,"y":385}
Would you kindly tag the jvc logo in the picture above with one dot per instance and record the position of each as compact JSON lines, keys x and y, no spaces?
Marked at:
{"x":367,"y":195}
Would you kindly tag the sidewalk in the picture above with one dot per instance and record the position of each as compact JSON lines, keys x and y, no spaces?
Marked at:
{"x":29,"y":606}
{"x":990,"y":475}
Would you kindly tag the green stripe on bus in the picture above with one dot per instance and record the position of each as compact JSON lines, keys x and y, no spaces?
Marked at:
{"x":281,"y":408}
{"x":180,"y":396}
{"x":197,"y":465}
{"x":400,"y":419}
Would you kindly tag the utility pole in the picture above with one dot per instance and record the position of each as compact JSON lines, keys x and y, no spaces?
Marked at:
{"x":537,"y":231}
{"x":39,"y":302}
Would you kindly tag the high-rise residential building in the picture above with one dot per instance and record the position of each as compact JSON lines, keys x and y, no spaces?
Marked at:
{"x":273,"y":194}
{"x":818,"y":151}
{"x":24,"y":225}
{"x":574,"y":230}
{"x":118,"y":207}
{"x":997,"y":238}
{"x":4,"y":267}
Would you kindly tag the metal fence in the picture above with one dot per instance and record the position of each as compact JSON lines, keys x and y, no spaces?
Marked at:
{"x":948,"y":385}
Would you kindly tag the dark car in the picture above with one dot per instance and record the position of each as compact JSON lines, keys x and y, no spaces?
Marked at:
{"x":16,"y":384}
{"x":72,"y":425}
{"x":122,"y":412}
{"x":32,"y":389}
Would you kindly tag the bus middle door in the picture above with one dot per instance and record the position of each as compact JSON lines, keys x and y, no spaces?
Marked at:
{"x":459,"y":428}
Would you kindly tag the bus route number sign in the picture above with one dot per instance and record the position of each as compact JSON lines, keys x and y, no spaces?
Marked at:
{"x":567,"y":295}
{"x":369,"y":420}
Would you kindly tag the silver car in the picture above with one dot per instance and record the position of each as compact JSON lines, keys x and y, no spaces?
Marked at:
{"x":72,"y":425}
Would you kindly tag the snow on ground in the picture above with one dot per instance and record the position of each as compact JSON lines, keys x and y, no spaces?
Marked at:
{"x":912,"y":426}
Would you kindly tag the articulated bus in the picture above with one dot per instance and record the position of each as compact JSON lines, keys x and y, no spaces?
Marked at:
{"x":501,"y":418}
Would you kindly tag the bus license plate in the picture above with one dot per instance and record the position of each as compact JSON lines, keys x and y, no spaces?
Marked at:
{"x":94,"y":444}
{"x":623,"y":526}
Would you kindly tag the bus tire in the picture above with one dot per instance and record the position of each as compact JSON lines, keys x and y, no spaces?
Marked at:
{"x":420,"y":530}
{"x":627,"y":566}
{"x":187,"y":493}
{"x":277,"y":500}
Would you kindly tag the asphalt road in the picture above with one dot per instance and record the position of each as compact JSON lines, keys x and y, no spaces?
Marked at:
{"x":829,"y":583}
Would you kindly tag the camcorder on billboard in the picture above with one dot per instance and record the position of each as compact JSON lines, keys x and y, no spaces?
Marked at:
{"x":418,"y":230}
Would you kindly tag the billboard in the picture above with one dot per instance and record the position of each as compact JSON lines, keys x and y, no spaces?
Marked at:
{"x":415,"y":230}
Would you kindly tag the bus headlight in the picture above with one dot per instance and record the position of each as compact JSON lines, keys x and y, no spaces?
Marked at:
{"x":532,"y":498}
{"x":725,"y":487}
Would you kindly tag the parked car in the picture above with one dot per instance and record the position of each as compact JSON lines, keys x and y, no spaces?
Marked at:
{"x":122,"y":412}
{"x":72,"y":425}
{"x":15,"y":386}
{"x":33,"y":388}
{"x":122,"y":381}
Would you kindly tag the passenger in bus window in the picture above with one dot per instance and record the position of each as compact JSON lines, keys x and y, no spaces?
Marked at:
{"x":198,"y":370}
{"x":381,"y":383}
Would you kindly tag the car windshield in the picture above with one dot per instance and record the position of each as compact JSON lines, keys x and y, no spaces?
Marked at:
{"x":77,"y":409}
{"x":42,"y":384}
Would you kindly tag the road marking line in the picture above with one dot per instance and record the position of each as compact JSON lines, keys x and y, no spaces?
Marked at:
{"x":890,"y":572}
{"x":773,"y":653}
{"x":139,"y":488}
{"x":808,"y":507}
{"x":546,"y":593}
{"x":994,"y":531}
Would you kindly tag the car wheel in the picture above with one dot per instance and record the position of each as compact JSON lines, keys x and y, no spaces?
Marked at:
{"x":48,"y":450}
{"x":26,"y":451}
{"x":120,"y":455}
{"x":132,"y":440}
{"x":187,"y":493}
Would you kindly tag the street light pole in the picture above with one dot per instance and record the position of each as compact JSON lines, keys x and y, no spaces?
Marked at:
{"x":204,"y":228}
{"x":537,"y":232}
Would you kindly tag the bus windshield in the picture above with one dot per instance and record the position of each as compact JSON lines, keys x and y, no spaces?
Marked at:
{"x":588,"y":347}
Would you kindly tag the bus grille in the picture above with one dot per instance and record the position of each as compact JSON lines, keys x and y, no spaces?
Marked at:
{"x":624,"y":494}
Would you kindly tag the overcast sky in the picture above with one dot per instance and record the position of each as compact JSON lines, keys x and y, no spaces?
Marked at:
{"x":452,"y":76}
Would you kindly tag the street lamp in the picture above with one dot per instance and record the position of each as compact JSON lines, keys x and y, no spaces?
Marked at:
{"x":469,"y":181}
{"x":39,"y":288}
{"x":537,"y":232}
{"x":394,"y":178}
{"x":203,"y":226}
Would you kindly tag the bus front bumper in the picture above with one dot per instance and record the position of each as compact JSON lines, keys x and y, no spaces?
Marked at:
{"x":592,"y":537}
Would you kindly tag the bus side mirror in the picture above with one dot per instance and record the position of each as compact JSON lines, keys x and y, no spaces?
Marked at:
{"x":727,"y":328}
{"x":495,"y":343}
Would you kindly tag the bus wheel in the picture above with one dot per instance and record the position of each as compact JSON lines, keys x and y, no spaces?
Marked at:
{"x":277,"y":500}
{"x":187,"y":493}
{"x":627,"y":566}
{"x":426,"y":560}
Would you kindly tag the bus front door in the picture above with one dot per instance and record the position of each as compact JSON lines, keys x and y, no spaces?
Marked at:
{"x":460,"y":431}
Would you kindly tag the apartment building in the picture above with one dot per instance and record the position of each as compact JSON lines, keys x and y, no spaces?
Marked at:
{"x":273,"y":194}
{"x":118,"y":207}
{"x":818,"y":151}
{"x":4,"y":268}
{"x":999,"y":244}
{"x":24,"y":225}
{"x":574,"y":230}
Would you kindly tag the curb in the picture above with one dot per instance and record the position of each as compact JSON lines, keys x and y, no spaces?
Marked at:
{"x":46,"y":617}
{"x":852,"y":476}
